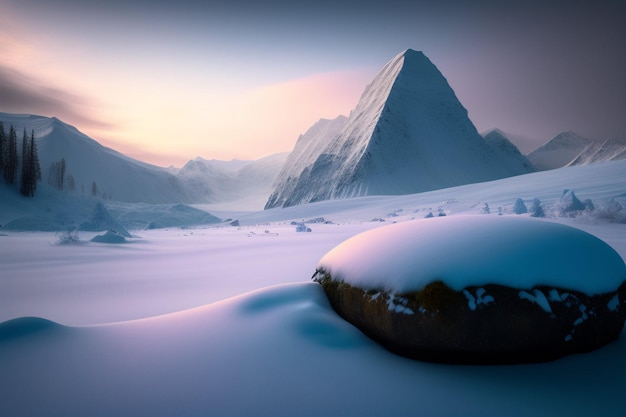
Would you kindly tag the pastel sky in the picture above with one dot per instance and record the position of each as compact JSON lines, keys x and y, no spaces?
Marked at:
{"x":166,"y":81}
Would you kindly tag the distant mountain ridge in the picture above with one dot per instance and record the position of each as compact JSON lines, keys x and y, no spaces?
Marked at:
{"x":407,"y":134}
{"x":121,"y":178}
{"x":222,"y":181}
{"x":497,"y":140}
{"x":609,"y":150}
{"x":570,"y":149}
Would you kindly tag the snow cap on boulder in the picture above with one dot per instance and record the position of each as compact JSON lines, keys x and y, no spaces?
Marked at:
{"x":461,"y":251}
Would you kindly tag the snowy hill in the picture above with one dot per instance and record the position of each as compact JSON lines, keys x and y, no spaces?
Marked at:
{"x":115,"y":175}
{"x":121,"y":178}
{"x":407,"y":134}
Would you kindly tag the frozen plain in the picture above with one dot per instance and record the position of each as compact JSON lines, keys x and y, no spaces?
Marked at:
{"x":225,"y":321}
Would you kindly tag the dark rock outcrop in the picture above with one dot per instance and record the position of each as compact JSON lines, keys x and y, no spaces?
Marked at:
{"x":490,"y":324}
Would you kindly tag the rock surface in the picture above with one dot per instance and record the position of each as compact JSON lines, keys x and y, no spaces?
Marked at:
{"x":491,"y":324}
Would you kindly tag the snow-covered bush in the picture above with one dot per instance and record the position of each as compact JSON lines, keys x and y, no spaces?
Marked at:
{"x":519,"y":207}
{"x":316,"y":220}
{"x":570,"y":205}
{"x":611,"y":211}
{"x":485,"y":209}
{"x":301,"y":227}
{"x":536,"y":210}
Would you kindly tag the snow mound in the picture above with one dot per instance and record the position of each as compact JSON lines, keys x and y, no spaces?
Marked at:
{"x":100,"y":219}
{"x":109,"y":237}
{"x":157,"y":216}
{"x":463,"y":251}
{"x":24,"y":326}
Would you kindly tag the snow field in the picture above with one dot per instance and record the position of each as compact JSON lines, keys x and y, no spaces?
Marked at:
{"x":280,"y":351}
{"x":229,"y":323}
{"x":160,"y":272}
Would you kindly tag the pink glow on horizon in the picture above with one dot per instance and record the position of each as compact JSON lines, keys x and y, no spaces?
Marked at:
{"x":246,"y":125}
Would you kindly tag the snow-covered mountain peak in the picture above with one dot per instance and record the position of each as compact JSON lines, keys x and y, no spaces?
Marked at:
{"x":559,"y":151}
{"x":566,"y":139}
{"x":408,"y":133}
{"x":498,"y":138}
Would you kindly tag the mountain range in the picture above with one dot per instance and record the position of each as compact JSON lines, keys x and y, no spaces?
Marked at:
{"x":408,"y":133}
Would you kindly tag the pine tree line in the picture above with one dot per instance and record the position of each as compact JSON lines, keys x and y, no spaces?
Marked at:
{"x":56,"y":174}
{"x":8,"y":154}
{"x":31,"y":171}
{"x":9,"y":160}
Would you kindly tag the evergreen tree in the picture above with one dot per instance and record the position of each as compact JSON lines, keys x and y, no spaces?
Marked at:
{"x":11,"y":159}
{"x":35,"y":157}
{"x":71,"y":183}
{"x":31,"y":172}
{"x":61,"y":174}
{"x":56,"y":174}
{"x":26,"y":180}
{"x":2,"y":147}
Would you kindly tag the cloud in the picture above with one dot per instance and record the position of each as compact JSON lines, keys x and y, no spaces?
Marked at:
{"x":21,"y":93}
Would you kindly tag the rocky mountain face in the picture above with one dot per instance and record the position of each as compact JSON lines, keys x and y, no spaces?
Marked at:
{"x":609,"y":150}
{"x":409,"y":133}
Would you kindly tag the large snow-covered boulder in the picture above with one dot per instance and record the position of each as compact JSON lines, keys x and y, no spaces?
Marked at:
{"x":479,"y":289}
